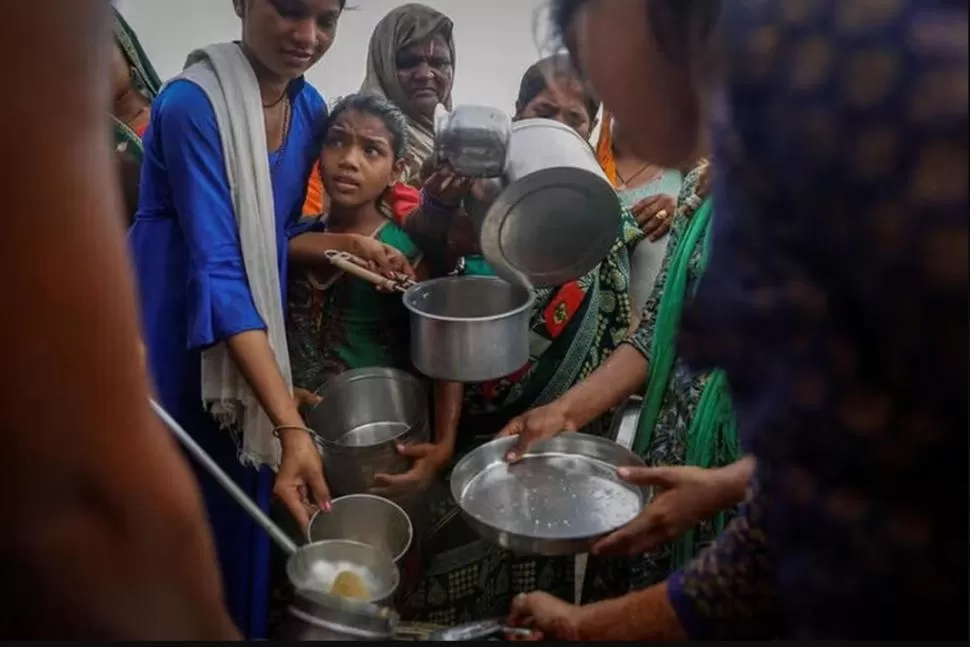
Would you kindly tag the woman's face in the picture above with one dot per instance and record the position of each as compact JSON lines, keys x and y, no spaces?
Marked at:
{"x":610,"y":69}
{"x":426,"y":72}
{"x":357,"y":162}
{"x":563,"y":101}
{"x":288,"y":36}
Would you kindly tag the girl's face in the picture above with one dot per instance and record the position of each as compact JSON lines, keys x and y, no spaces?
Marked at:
{"x":288,"y":36}
{"x":426,"y":73}
{"x":563,"y":101}
{"x":357,"y":162}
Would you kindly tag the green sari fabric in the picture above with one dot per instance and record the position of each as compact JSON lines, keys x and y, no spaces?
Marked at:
{"x":713,"y":424}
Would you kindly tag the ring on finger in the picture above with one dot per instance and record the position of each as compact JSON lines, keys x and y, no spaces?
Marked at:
{"x":661,"y":215}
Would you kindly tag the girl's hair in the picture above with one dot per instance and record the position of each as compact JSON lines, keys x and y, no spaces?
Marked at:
{"x":682,"y":29}
{"x":378,"y":106}
{"x":547,"y":71}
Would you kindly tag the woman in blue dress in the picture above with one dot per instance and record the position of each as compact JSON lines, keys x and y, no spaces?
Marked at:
{"x":210,"y":243}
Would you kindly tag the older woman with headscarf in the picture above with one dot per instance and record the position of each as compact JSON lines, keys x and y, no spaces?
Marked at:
{"x":411,"y":61}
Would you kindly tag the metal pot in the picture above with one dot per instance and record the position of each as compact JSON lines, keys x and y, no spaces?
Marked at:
{"x":311,"y":619}
{"x":366,"y":518}
{"x":474,"y":140}
{"x":558,"y":215}
{"x":361,"y":416}
{"x":469,"y":328}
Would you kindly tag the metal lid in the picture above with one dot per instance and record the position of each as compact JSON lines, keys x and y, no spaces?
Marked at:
{"x":551,"y":226}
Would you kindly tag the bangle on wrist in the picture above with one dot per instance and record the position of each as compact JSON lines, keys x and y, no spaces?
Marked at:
{"x":277,"y":429}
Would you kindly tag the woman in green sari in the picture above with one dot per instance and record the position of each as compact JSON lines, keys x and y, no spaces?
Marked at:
{"x":686,"y":430}
{"x":574,"y":327}
{"x":135,"y":86}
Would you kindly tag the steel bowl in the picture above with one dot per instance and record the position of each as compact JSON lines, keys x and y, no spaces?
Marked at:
{"x":557,"y":216}
{"x":361,"y":416}
{"x":382,"y":573}
{"x":469,"y":328}
{"x":561,"y":497}
{"x":366,"y":518}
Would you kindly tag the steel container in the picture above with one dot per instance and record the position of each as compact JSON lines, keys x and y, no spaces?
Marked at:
{"x":361,"y":416}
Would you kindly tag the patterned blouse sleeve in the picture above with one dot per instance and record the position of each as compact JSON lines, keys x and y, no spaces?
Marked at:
{"x":641,"y":338}
{"x":728,"y":591}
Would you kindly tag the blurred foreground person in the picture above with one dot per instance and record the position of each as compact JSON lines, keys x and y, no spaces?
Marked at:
{"x":105,"y":536}
{"x":835,"y":302}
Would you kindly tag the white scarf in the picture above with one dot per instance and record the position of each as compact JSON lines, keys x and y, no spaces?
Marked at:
{"x":227,"y":78}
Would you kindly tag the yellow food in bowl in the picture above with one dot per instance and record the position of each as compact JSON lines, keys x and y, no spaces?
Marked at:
{"x":350,"y":585}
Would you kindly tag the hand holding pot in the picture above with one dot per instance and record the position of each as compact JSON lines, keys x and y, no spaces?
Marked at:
{"x":548,"y":617}
{"x":382,"y":258}
{"x":690,"y":495}
{"x":429,"y":459}
{"x":535,"y":425}
{"x":300,"y":474}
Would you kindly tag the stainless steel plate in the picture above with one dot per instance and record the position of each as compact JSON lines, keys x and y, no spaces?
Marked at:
{"x":560,"y":497}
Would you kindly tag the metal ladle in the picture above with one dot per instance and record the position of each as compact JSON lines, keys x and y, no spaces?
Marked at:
{"x":466,"y":632}
{"x":276,"y":534}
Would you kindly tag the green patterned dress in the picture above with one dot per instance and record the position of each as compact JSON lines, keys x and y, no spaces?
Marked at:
{"x":668,"y":445}
{"x":347,"y":324}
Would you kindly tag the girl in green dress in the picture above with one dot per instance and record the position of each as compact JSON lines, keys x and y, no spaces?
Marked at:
{"x":338,"y":322}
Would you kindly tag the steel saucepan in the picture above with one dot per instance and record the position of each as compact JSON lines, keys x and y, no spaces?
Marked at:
{"x":361,"y":416}
{"x":469,"y":328}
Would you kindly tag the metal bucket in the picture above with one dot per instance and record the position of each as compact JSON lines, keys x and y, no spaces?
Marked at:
{"x":469,"y":328}
{"x":361,"y":416}
{"x":558,"y":215}
{"x":366,"y":518}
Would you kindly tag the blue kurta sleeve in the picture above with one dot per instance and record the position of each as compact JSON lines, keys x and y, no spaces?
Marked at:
{"x":220,"y":303}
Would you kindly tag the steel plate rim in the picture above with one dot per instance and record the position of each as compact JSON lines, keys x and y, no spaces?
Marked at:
{"x":510,"y":196}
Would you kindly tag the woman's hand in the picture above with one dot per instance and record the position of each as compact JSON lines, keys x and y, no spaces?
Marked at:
{"x":535,"y":425}
{"x":447,"y":187}
{"x":380,"y":257}
{"x":548,"y":617}
{"x":304,"y":398}
{"x":654,"y":215}
{"x":429,"y":459}
{"x":690,"y":495}
{"x":300,"y":473}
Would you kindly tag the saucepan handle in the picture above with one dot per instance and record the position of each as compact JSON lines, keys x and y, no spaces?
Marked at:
{"x":477,"y":630}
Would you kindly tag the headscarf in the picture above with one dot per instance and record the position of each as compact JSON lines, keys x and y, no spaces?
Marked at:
{"x":399,"y":29}
{"x":145,"y":77}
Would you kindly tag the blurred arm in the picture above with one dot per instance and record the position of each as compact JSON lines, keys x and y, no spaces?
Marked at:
{"x":105,"y":525}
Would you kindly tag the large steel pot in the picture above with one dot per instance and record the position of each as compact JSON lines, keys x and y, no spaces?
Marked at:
{"x":557,"y":216}
{"x":469,"y":328}
{"x":361,"y":416}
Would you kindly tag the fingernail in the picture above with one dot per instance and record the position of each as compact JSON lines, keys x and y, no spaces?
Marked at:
{"x":512,"y":456}
{"x":623,"y":472}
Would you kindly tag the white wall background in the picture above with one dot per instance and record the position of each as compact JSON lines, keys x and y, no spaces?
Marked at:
{"x":496,"y":40}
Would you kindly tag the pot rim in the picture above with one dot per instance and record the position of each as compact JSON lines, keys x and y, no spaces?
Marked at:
{"x":525,"y":307}
{"x":399,"y":509}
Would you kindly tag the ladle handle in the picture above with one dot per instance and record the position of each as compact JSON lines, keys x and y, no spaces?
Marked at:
{"x":281,"y":538}
{"x":352,"y":265}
